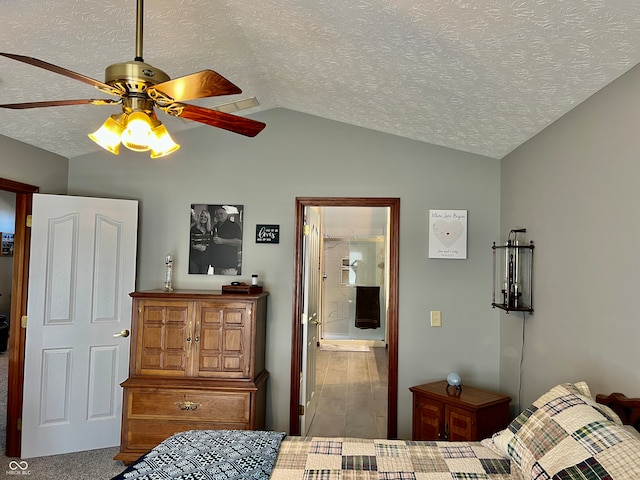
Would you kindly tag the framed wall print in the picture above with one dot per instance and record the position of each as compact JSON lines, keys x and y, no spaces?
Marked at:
{"x":215,"y":239}
{"x":7,"y":244}
{"x":448,"y":234}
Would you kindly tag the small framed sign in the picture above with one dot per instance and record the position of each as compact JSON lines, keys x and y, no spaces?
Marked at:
{"x":267,"y":233}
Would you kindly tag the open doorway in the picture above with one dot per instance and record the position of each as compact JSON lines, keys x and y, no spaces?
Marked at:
{"x":7,"y":227}
{"x":298,"y":329}
{"x":17,"y":333}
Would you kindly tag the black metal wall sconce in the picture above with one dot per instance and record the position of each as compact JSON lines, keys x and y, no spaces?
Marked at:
{"x":513,"y":273}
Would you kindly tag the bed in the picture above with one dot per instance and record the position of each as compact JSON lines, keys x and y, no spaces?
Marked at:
{"x":566,"y":434}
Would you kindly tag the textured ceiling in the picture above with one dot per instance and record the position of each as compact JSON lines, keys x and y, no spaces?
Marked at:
{"x":481,"y":76}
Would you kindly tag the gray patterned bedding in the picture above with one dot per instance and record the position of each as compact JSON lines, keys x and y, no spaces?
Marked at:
{"x":209,"y":455}
{"x":564,"y":435}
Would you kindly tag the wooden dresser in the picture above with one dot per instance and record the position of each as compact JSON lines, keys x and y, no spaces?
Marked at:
{"x":197,"y":362}
{"x":470,"y":414}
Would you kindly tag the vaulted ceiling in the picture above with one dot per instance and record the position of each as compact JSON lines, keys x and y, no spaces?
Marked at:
{"x":481,"y":76}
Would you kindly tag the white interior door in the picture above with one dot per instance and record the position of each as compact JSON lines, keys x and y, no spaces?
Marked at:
{"x":81,"y":271}
{"x":310,"y":317}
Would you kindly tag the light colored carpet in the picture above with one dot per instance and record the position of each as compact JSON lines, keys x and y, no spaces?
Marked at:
{"x":88,"y":465}
{"x":340,"y":347}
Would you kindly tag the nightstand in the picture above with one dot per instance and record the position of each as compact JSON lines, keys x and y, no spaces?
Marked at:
{"x":470,"y":414}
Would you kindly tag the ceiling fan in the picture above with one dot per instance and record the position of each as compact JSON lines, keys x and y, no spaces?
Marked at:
{"x":141,"y":87}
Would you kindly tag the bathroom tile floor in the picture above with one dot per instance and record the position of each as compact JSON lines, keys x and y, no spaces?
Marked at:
{"x":352,"y":389}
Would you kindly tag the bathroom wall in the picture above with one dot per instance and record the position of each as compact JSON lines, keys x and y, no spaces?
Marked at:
{"x":354,"y":253}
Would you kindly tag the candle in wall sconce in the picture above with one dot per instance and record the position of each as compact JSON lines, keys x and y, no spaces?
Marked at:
{"x":168,"y":276}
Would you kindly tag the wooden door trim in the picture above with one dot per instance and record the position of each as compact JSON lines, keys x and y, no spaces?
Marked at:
{"x":17,"y":335}
{"x":296,"y":337}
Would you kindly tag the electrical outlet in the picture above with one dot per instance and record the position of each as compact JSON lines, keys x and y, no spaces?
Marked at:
{"x":436,"y":320}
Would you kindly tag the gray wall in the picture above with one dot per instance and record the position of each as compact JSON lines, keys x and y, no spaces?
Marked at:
{"x":575,"y":188}
{"x":302,"y":155}
{"x":27,"y":164}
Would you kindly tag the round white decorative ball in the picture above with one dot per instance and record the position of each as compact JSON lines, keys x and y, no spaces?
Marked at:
{"x":453,"y":379}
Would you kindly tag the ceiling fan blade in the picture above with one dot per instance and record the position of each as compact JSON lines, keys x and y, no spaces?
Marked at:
{"x":206,"y":83}
{"x":226,"y":121}
{"x":63,"y":71}
{"x":59,"y":103}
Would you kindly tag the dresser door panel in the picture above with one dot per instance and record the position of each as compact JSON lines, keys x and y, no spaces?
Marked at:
{"x":165,"y":338}
{"x":224,"y":343}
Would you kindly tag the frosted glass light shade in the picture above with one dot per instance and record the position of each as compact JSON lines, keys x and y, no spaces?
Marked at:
{"x":453,"y":379}
{"x":137,"y":136}
{"x":108,"y":135}
{"x":163,"y":143}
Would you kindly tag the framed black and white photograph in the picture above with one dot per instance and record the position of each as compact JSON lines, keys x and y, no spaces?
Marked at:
{"x":215,"y":239}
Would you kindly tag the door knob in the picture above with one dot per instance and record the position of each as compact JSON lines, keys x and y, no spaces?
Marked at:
{"x":316,"y":322}
{"x":123,"y":333}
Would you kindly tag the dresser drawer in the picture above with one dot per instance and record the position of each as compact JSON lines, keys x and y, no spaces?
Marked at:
{"x":143,"y":435}
{"x":188,"y":405}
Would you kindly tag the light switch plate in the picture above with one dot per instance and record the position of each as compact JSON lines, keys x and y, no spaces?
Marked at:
{"x":436,"y":320}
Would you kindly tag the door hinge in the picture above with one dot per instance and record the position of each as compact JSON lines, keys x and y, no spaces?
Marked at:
{"x":29,"y":220}
{"x":300,"y":409}
{"x":23,"y":321}
{"x":19,"y":424}
{"x":305,"y":230}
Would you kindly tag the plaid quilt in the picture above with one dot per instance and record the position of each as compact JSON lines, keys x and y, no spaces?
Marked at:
{"x":320,"y":458}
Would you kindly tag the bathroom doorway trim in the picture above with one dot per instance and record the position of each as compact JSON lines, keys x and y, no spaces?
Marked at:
{"x":296,"y":337}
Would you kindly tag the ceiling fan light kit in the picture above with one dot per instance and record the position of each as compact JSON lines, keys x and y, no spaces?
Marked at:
{"x":141,"y":87}
{"x":138,"y":131}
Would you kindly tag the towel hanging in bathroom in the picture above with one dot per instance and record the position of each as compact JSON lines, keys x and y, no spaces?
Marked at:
{"x":367,"y":307}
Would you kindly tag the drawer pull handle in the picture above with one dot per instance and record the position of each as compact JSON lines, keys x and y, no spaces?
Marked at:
{"x":188,"y":405}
